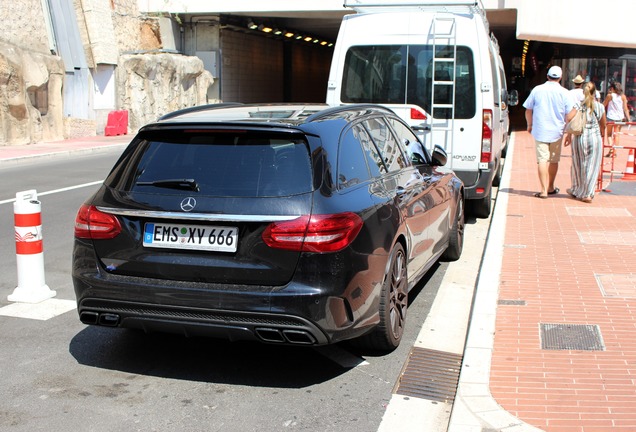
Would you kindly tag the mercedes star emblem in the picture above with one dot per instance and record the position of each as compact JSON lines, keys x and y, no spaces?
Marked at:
{"x":188,"y":204}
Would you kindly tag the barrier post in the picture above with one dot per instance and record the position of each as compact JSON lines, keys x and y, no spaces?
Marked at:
{"x":29,"y":252}
{"x":629,"y":168}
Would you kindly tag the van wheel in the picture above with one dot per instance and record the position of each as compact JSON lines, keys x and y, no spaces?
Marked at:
{"x":481,"y":208}
{"x":497,"y":180}
{"x":386,"y":336}
{"x":504,"y":150}
{"x":456,"y":235}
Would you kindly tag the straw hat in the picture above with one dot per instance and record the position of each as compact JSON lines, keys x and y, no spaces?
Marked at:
{"x":578,"y":80}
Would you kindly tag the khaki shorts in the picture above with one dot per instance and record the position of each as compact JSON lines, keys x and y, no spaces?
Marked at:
{"x":548,"y":152}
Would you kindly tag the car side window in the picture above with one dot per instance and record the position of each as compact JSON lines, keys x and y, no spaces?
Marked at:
{"x":375,"y":163}
{"x":386,"y":143}
{"x":352,"y":164}
{"x":413,"y":147}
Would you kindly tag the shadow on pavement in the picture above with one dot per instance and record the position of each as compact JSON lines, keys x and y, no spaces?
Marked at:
{"x":201,"y":359}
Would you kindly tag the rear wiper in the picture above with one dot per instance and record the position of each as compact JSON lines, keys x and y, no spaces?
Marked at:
{"x":189,"y":184}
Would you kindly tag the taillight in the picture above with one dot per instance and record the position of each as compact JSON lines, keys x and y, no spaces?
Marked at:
{"x":418,"y":114}
{"x":91,"y":223}
{"x":486,"y":137}
{"x":318,"y":233}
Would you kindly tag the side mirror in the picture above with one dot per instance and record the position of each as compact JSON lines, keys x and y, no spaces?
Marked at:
{"x":439,"y":156}
{"x":415,"y":152}
{"x":513,"y":98}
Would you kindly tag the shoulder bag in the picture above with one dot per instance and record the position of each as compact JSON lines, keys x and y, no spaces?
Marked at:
{"x":577,"y":124}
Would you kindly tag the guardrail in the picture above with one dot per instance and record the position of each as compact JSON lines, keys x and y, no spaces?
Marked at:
{"x":624,"y":134}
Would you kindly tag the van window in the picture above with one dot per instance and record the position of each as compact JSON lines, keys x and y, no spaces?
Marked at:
{"x":496,"y":87}
{"x":403,"y":74}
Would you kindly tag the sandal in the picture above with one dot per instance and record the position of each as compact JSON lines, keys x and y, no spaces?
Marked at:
{"x":587,"y":200}
{"x":571,"y":193}
{"x":555,"y":191}
{"x":538,"y":195}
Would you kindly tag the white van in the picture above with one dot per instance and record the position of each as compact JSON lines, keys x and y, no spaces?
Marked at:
{"x":435,"y":64}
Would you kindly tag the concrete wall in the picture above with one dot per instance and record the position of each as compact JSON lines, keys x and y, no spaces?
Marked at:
{"x":252,"y":68}
{"x":608,"y":24}
{"x":310,"y":67}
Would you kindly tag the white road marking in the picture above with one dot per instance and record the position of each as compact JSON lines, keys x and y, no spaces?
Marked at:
{"x":340,"y":356}
{"x":39,"y":311}
{"x":59,"y":190}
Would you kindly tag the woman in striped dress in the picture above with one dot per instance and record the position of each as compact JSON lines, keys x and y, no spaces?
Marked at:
{"x":587,"y":148}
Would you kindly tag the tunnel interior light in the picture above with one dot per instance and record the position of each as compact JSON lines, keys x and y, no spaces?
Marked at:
{"x":291,"y":34}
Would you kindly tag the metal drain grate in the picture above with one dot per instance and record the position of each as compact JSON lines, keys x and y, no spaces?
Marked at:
{"x":512,"y":302}
{"x":581,"y":337}
{"x":430,"y":374}
{"x":515,"y":246}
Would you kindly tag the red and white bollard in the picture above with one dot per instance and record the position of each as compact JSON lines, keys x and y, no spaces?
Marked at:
{"x":29,"y":252}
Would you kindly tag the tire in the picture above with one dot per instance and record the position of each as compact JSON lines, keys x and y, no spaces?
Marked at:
{"x":456,"y":235}
{"x":497,"y":180}
{"x":482,"y":207}
{"x":386,"y":336}
{"x":504,"y":150}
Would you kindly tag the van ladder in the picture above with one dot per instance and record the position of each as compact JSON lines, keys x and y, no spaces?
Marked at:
{"x":444,"y":33}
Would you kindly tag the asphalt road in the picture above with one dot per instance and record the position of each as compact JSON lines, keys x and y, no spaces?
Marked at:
{"x":59,"y":374}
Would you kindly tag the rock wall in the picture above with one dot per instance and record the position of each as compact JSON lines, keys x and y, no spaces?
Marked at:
{"x":30,"y":96}
{"x":152,"y":85}
{"x":32,"y":80}
{"x":22,"y":24}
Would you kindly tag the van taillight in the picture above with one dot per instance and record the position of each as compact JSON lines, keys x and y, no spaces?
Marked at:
{"x":91,"y":223}
{"x":418,"y":114}
{"x":486,"y":137}
{"x":318,"y":233}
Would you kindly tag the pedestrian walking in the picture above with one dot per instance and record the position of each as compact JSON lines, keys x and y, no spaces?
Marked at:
{"x":587,"y":148}
{"x":616,"y":108}
{"x":548,"y":108}
{"x":577,"y":91}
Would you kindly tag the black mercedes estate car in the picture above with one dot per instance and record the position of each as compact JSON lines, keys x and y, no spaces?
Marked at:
{"x":286,"y":224}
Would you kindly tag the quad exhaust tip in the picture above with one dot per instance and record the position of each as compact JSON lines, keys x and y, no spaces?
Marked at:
{"x":95,"y":318}
{"x":296,"y":337}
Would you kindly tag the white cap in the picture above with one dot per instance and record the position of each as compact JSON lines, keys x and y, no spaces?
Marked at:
{"x":554,"y":72}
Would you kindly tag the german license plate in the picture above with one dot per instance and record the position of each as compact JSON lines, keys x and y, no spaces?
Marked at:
{"x":195,"y":237}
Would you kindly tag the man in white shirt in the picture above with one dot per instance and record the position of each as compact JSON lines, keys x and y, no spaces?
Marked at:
{"x":577,"y":91}
{"x":548,"y":108}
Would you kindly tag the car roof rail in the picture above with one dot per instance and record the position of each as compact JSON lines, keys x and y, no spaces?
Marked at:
{"x":348,"y":108}
{"x":188,"y":110}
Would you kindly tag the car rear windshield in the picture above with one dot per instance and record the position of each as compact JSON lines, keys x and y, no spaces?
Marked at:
{"x":219,"y":164}
{"x":404,"y":74}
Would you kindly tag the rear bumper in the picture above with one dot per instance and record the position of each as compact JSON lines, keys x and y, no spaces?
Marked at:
{"x":480,"y":179}
{"x":296,"y":313}
{"x":231,"y":325}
